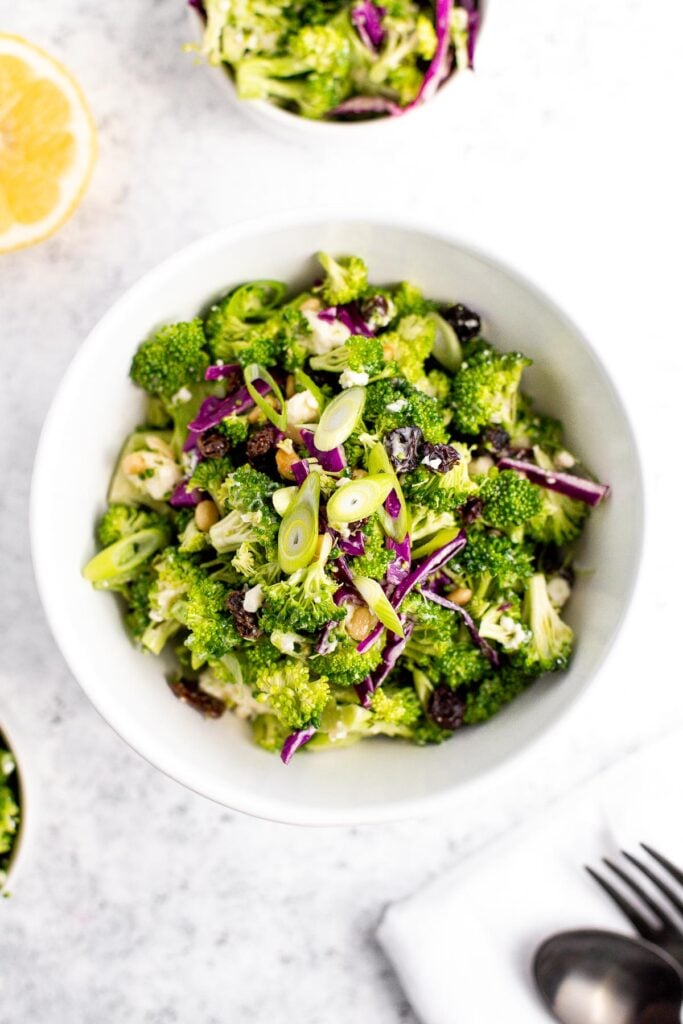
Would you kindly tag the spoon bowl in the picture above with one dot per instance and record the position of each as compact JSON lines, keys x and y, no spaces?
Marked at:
{"x":599,"y":977}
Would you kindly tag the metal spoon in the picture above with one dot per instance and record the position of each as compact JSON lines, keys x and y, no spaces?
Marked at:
{"x":596,"y":977}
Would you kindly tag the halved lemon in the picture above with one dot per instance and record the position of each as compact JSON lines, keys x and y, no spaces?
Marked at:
{"x":47,"y":143}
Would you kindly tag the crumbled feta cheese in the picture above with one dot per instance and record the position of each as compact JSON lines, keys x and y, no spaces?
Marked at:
{"x":433,"y":463}
{"x":324,"y":335}
{"x":254,"y":598}
{"x":182,"y":396}
{"x":154,"y":474}
{"x":481,"y":465}
{"x":564,"y":460}
{"x":285,"y":642}
{"x":396,"y":406}
{"x":516,"y":633}
{"x":559,"y":591}
{"x":342,"y":481}
{"x":337,"y":732}
{"x":349,"y":378}
{"x":302,"y":408}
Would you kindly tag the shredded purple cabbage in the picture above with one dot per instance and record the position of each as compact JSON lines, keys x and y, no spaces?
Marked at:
{"x":343,"y":594}
{"x":393,"y":650}
{"x":182,"y":498}
{"x":213,"y":410}
{"x":434,"y":74}
{"x":393,"y":505}
{"x":324,"y":644}
{"x":300,"y":471}
{"x":361,"y":106}
{"x":400,"y":567}
{"x":219,"y":372}
{"x":473,"y":25}
{"x":295,"y":741}
{"x":353,"y":545}
{"x":469,"y":622}
{"x":575,"y":487}
{"x":367,"y":20}
{"x":333,"y":461}
{"x":431,"y":564}
{"x":348,"y":315}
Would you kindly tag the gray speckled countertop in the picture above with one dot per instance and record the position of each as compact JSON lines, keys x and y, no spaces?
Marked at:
{"x":138,"y":900}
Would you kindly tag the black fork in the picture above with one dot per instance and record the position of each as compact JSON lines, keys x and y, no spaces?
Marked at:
{"x":661,"y":926}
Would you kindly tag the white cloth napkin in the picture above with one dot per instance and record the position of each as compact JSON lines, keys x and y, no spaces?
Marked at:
{"x":462,"y":947}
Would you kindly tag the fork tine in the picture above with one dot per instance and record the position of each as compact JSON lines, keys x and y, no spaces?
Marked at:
{"x":666,"y":864}
{"x":641,"y":925}
{"x":673,"y":897}
{"x":651,"y":904}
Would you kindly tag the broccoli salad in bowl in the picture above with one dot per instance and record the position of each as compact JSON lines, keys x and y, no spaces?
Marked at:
{"x":10,"y":814}
{"x":342,"y":516}
{"x":340,"y":59}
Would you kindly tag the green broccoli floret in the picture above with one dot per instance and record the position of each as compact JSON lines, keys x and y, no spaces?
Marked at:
{"x":256,"y":656}
{"x":344,"y":666}
{"x":502,"y":623}
{"x":484,"y":390}
{"x":509,"y":499}
{"x":408,"y":299}
{"x":301,"y":603}
{"x":9,"y":809}
{"x":409,"y":345}
{"x":173,"y":358}
{"x":209,"y":475}
{"x":248,"y":490}
{"x":377,"y":558}
{"x":463,"y":664}
{"x":437,"y":384}
{"x":560,"y":519}
{"x":292,"y":695}
{"x":425,"y":523}
{"x":346,"y":279}
{"x":313,"y":77}
{"x":255,"y":562}
{"x":532,"y":428}
{"x":235,"y":428}
{"x":234,"y":32}
{"x":121,"y":520}
{"x":550,"y":646}
{"x":360,"y":354}
{"x":269,"y":733}
{"x":137,"y":597}
{"x":491,"y":562}
{"x":278,"y":340}
{"x":396,"y":710}
{"x":212,"y":628}
{"x":392,"y":403}
{"x":494,"y":692}
{"x":441,"y":492}
{"x":191,"y":539}
{"x":251,"y":519}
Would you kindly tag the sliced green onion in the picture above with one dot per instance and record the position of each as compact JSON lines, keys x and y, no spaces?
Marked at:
{"x":339,"y":419}
{"x":119,"y":562}
{"x":283,"y":498}
{"x":359,"y":498}
{"x":306,"y":383}
{"x":440,"y":538}
{"x":256,"y":300}
{"x":379,"y":462}
{"x":255,"y":372}
{"x":379,"y":603}
{"x":447,"y":349}
{"x":297,"y":537}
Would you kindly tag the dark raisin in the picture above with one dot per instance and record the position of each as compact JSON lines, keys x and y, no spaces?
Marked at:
{"x":261,"y":448}
{"x":213,"y":444}
{"x":439,"y":457}
{"x":465,"y":322}
{"x":374,"y":309}
{"x":246,"y":622}
{"x":233,"y":380}
{"x":496,"y":439}
{"x":446,"y":708}
{"x":404,"y":447}
{"x":188,"y":692}
{"x":471,"y":510}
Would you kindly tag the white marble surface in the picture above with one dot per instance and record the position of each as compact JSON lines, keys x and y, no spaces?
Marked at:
{"x":140,"y":901}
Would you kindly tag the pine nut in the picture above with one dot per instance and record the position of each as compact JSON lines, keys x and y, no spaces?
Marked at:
{"x":360,"y":623}
{"x":206,"y":515}
{"x":459,"y":595}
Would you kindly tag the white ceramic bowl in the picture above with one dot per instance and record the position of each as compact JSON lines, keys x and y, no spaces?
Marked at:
{"x":285,"y":124}
{"x":12,"y":738}
{"x":97,"y":405}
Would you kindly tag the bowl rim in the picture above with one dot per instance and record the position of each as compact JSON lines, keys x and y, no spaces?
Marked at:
{"x":288,"y":121}
{"x":260,"y":805}
{"x":15,"y":742}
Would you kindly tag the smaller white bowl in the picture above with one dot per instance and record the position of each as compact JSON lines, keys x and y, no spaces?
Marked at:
{"x":12,"y":739}
{"x":284,"y":123}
